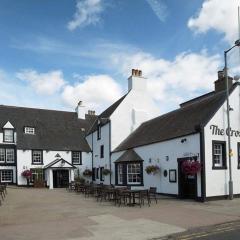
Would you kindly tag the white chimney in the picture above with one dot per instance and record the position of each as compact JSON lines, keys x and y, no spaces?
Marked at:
{"x":136,"y":81}
{"x":80,"y":110}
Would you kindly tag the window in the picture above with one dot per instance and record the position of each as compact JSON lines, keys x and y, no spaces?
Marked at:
{"x":8,"y":135}
{"x":77,"y":158}
{"x":7,"y":155}
{"x":99,"y":132}
{"x":37,"y":174}
{"x":102,"y":151}
{"x":101,"y":174}
{"x":120,"y":174}
{"x":10,"y":155}
{"x":219,"y":155}
{"x":29,"y":130}
{"x":134,"y":173}
{"x":97,"y":173}
{"x":37,"y":157}
{"x":6,"y":176}
{"x":238,"y":155}
{"x":2,"y":155}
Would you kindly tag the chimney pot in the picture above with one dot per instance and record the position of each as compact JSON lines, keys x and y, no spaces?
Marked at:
{"x":220,"y":84}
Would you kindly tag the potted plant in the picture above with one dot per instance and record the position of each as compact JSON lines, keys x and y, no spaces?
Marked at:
{"x":152,"y":169}
{"x":190,"y":167}
{"x":106,"y":171}
{"x":27,"y":174}
{"x":87,"y":172}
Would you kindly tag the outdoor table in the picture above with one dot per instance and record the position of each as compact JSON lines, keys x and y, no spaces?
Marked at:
{"x":132,"y":196}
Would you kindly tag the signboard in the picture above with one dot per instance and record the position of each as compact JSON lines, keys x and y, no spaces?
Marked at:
{"x":220,"y":131}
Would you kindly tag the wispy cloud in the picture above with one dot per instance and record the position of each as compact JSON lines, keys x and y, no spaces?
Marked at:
{"x":159,"y":8}
{"x":87,"y":12}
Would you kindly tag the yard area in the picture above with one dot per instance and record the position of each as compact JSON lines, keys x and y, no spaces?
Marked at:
{"x":28,"y":214}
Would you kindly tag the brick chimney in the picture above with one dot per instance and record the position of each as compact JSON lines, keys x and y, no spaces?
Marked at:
{"x":136,"y":81}
{"x":220,"y":84}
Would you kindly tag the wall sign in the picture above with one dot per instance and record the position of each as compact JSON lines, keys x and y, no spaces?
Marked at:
{"x":220,"y":131}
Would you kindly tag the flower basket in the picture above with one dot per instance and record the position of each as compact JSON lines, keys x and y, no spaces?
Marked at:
{"x":106,"y":172}
{"x":27,"y":174}
{"x":191,"y":167}
{"x":87,"y":173}
{"x":152,"y":169}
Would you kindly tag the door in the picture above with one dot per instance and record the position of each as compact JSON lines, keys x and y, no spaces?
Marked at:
{"x":60,"y":178}
{"x":187,"y":184}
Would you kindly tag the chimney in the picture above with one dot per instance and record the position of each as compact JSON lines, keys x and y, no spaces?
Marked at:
{"x":220,"y":84}
{"x":91,"y":112}
{"x":80,"y":110}
{"x":136,"y":81}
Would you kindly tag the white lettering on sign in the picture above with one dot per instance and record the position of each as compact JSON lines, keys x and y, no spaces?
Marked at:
{"x":228,"y":131}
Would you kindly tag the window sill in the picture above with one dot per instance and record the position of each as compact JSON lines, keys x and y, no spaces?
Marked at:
{"x":37,"y":164}
{"x":219,"y":168}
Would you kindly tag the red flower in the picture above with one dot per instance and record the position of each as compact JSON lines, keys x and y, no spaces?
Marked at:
{"x":191,"y":167}
{"x":27,"y":173}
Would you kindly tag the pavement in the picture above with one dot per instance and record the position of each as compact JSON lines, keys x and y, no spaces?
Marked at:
{"x":37,"y":214}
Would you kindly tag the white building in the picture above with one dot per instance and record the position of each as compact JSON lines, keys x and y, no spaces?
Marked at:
{"x":49,"y":143}
{"x":118,"y":121}
{"x":196,"y":131}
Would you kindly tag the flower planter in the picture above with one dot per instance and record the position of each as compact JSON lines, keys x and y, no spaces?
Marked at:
{"x":152,"y":169}
{"x":106,"y":172}
{"x":191,"y":168}
{"x":87,"y":173}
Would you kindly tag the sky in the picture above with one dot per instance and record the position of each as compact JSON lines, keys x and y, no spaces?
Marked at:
{"x":54,"y":53}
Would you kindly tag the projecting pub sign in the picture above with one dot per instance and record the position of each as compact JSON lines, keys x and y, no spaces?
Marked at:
{"x":228,"y":131}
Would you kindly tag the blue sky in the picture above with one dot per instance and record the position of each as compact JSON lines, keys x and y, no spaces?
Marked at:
{"x":55,"y":53}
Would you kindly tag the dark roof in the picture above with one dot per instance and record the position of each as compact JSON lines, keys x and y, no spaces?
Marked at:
{"x":56,"y":161}
{"x":186,"y":120}
{"x":129,"y":156}
{"x":104,"y":116}
{"x":55,"y":130}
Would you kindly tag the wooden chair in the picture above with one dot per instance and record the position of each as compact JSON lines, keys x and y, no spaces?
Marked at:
{"x":144,"y":195}
{"x":153,"y":194}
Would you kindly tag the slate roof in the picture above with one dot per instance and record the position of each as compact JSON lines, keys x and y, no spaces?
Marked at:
{"x":186,"y":120}
{"x":55,"y":130}
{"x":104,"y":116}
{"x":129,"y":156}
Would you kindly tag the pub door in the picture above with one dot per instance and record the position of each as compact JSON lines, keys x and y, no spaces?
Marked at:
{"x":60,"y":178}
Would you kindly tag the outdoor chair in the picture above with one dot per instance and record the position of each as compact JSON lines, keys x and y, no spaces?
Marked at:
{"x":144,"y":195}
{"x":153,"y":194}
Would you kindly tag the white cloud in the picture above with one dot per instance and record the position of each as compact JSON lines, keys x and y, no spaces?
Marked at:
{"x":171,"y":82}
{"x":43,"y":83}
{"x":221,"y":16}
{"x":96,"y":92}
{"x":159,"y":8}
{"x":87,"y":13}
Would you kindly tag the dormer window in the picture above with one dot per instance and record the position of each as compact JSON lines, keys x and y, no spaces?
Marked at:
{"x":29,"y":130}
{"x":8,"y":135}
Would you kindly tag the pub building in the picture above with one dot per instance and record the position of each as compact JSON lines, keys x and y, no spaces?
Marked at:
{"x":196,"y":131}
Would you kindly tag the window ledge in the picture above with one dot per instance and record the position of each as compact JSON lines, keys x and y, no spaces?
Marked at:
{"x":219,"y":168}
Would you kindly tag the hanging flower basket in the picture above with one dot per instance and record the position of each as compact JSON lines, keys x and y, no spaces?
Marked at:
{"x":106,"y":172}
{"x":87,"y":173}
{"x":152,"y":169}
{"x":191,"y":167}
{"x":27,"y":174}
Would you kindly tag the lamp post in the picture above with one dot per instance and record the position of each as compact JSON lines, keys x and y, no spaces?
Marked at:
{"x":237,"y":44}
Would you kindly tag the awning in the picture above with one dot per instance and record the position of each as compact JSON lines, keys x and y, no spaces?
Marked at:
{"x":59,"y":163}
{"x":129,"y":156}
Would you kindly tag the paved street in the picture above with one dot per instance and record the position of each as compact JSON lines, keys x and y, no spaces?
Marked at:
{"x":225,"y":231}
{"x":37,"y":214}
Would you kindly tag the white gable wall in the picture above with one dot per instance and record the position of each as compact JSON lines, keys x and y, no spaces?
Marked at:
{"x":217,"y":180}
{"x":136,"y":108}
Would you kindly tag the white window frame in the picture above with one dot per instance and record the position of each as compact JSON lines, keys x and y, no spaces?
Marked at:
{"x":37,"y":157}
{"x":10,"y":152}
{"x":8,"y":137}
{"x":217,"y":155}
{"x":2,"y":155}
{"x":4,"y":172}
{"x":120,"y":173}
{"x":132,"y":173}
{"x":78,"y":158}
{"x":29,"y":130}
{"x":36,"y":174}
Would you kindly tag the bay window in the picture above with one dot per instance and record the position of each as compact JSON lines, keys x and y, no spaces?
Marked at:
{"x":133,"y":173}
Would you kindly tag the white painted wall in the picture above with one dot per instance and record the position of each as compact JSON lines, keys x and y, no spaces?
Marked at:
{"x":24,"y":161}
{"x":217,"y":180}
{"x":157,"y":152}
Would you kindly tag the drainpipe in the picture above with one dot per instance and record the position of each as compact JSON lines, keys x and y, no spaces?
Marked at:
{"x":110,"y":152}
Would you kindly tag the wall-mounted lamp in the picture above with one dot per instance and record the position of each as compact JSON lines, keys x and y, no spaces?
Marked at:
{"x":150,"y":160}
{"x":183,"y":140}
{"x":167,"y":158}
{"x":230,"y":108}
